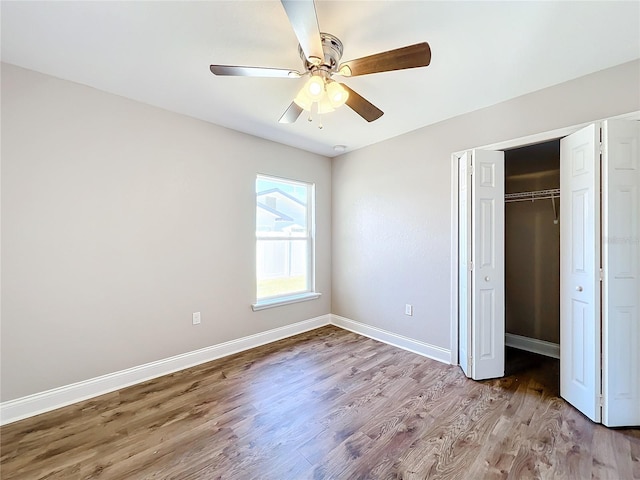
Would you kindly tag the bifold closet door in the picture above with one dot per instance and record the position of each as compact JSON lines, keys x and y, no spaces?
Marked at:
{"x":580,"y":271}
{"x":621,"y":275}
{"x":481,"y":264}
{"x":487,"y":255}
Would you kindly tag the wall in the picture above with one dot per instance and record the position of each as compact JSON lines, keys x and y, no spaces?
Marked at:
{"x":392,"y":201}
{"x":532,"y":244}
{"x":118,"y":221}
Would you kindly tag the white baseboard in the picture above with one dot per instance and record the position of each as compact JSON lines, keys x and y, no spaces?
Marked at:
{"x":24,"y":407}
{"x":533,"y":345}
{"x":20,"y":408}
{"x":431,"y":351}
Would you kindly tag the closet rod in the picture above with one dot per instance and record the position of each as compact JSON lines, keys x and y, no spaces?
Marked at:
{"x":531,"y":196}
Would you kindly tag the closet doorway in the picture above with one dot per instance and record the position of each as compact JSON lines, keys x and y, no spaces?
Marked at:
{"x":532,"y":248}
{"x":599,"y":292}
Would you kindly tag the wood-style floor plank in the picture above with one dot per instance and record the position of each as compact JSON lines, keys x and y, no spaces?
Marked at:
{"x":327,"y":404}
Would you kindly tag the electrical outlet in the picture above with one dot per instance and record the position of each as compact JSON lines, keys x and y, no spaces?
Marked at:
{"x":408,"y":309}
{"x":195,"y":317}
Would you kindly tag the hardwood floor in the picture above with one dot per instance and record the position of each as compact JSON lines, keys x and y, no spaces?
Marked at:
{"x":327,"y":404}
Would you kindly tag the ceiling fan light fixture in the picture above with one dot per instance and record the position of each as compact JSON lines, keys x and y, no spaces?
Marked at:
{"x":325,"y":106}
{"x":303,"y":100}
{"x":344,"y":70}
{"x":337,"y":94}
{"x":314,"y":88}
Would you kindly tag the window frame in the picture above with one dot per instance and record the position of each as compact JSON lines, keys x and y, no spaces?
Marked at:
{"x":310,"y":232}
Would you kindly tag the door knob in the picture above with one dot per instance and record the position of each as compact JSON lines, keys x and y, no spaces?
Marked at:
{"x":579,"y":288}
{"x":486,"y":279}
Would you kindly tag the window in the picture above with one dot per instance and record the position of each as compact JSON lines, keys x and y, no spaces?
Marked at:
{"x":284,"y":242}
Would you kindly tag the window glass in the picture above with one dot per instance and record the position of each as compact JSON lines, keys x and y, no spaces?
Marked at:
{"x":284,"y":244}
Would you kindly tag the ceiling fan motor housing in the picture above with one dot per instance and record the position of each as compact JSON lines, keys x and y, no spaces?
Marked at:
{"x":332,"y":49}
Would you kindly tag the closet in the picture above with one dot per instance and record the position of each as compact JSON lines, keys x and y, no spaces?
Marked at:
{"x":532,"y":248}
{"x":547,"y":259}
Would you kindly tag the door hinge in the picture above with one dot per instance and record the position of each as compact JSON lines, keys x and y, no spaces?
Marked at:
{"x":471,"y":266}
{"x":600,"y":141}
{"x":471,"y":169}
{"x":600,"y":400}
{"x":601,"y":274}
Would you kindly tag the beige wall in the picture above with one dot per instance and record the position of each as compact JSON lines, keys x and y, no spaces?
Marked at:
{"x":117,"y":224}
{"x":391,"y":201}
{"x":118,"y":221}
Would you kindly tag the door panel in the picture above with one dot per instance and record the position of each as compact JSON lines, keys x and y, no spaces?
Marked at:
{"x":487,"y":276}
{"x":579,"y":271}
{"x":579,"y":319}
{"x":464,"y":272}
{"x":621,"y":282}
{"x":487,"y":313}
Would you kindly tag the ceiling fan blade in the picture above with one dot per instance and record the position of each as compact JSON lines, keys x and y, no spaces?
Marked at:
{"x":362,"y":106}
{"x":303,"y":19}
{"x":254,"y":71}
{"x":418,"y":55}
{"x":291,"y":114}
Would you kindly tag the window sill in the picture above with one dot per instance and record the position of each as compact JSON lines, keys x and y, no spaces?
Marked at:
{"x":277,"y":302}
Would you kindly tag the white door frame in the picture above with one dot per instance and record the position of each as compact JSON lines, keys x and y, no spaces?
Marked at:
{"x":508,"y":144}
{"x":464,"y":257}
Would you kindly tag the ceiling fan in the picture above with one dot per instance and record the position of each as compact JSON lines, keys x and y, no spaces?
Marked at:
{"x":321,"y":54}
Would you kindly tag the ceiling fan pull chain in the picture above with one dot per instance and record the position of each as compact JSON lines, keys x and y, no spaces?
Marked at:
{"x":314,"y":107}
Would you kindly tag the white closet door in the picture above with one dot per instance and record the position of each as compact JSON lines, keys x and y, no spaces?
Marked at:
{"x":464,"y":265}
{"x":487,"y":276}
{"x":579,"y":271}
{"x":621,"y":283}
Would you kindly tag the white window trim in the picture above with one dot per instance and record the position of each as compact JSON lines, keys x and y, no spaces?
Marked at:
{"x":310,"y":293}
{"x":279,"y":301}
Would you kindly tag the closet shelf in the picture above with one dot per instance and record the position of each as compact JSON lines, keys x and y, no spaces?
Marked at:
{"x":531,"y":196}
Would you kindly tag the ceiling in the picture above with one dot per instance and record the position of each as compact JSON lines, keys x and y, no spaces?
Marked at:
{"x":159,"y":52}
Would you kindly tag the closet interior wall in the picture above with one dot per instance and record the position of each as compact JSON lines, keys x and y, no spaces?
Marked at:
{"x":532,"y":244}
